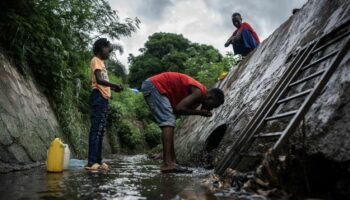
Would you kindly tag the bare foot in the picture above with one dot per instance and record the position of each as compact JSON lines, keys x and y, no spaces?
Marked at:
{"x":94,"y":167}
{"x":104,"y":166}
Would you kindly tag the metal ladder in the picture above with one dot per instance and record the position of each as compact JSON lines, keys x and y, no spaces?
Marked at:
{"x":303,"y":71}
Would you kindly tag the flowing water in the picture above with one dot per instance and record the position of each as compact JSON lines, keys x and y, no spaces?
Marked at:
{"x":131,"y":177}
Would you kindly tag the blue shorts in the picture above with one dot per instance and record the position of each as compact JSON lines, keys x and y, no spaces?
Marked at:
{"x":159,"y":104}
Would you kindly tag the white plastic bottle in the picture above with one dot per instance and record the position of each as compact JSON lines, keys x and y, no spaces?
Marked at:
{"x":66,"y":157}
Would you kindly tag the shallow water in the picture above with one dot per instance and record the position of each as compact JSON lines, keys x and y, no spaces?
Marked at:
{"x":131,"y":177}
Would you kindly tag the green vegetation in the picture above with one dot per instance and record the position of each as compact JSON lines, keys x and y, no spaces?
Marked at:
{"x":128,"y":116}
{"x":130,"y":136}
{"x":152,"y":135}
{"x":51,"y":41}
{"x":172,"y":52}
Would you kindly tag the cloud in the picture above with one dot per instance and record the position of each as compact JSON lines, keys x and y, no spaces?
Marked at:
{"x":202,"y":21}
{"x":154,"y":9}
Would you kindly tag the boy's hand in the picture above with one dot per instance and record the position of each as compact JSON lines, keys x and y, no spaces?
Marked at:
{"x":206,"y":113}
{"x":117,"y":88}
{"x":228,"y":42}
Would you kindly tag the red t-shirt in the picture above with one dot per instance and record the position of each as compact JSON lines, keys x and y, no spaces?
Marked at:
{"x":245,"y":25}
{"x":175,"y":86}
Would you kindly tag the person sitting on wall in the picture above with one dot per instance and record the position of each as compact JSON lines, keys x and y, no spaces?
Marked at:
{"x":171,"y":93}
{"x":244,"y":39}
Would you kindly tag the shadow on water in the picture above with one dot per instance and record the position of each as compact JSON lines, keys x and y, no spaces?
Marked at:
{"x":131,"y":177}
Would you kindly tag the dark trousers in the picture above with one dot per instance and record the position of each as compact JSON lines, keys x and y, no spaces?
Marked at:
{"x":245,"y":44}
{"x":98,"y":125}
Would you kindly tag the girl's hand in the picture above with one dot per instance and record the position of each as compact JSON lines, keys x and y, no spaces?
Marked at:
{"x":117,"y":88}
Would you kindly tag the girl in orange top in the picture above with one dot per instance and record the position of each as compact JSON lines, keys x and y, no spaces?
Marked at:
{"x":101,"y":92}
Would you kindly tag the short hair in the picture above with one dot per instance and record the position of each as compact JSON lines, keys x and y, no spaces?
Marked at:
{"x":236,"y":13}
{"x":218,"y":95}
{"x":99,"y":44}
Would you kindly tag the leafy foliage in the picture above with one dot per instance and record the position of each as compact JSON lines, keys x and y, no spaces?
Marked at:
{"x":52,"y":40}
{"x":116,"y":68}
{"x":162,"y":51}
{"x":127,"y":107}
{"x":130,"y":136}
{"x":152,"y":135}
{"x":172,"y":52}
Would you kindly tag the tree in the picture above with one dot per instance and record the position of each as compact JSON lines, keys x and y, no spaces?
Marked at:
{"x":161,"y":44}
{"x":52,"y":39}
{"x":117,"y":68}
{"x":172,"y":52}
{"x":142,"y":67}
{"x":201,"y":57}
{"x":162,"y":52}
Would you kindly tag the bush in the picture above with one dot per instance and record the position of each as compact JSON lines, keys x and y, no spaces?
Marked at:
{"x":130,"y":137}
{"x":115,"y":114}
{"x":113,"y":139}
{"x":52,"y":39}
{"x":152,"y":135}
{"x":125,"y":107}
{"x":141,"y":109}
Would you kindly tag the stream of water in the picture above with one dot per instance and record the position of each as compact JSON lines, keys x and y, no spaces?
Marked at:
{"x":131,"y":177}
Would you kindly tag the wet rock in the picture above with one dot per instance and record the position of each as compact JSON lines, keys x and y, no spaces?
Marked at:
{"x":5,"y":137}
{"x":263,"y":183}
{"x":19,"y":153}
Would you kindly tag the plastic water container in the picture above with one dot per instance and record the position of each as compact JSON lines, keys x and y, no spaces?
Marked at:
{"x":222,"y":76}
{"x":66,"y":157}
{"x":55,"y":156}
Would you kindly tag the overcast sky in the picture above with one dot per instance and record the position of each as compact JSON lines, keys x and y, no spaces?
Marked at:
{"x":201,"y":21}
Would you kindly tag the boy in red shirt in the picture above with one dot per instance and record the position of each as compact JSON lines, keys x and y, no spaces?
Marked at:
{"x":244,"y":39}
{"x":173,"y":93}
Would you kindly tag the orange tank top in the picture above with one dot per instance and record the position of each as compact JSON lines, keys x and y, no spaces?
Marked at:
{"x":97,"y":63}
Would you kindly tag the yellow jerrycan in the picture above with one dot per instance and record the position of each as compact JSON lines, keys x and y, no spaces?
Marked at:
{"x":222,"y":76}
{"x":55,"y":156}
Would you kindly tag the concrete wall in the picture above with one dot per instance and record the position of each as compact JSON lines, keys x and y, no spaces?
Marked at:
{"x":246,"y":87}
{"x":27,"y":122}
